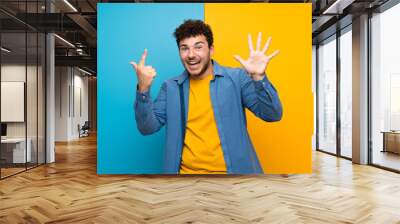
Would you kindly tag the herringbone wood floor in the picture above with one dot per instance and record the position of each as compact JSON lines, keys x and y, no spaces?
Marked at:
{"x":70,"y":191}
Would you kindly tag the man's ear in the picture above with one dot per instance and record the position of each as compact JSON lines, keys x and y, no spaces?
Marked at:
{"x":212,"y":50}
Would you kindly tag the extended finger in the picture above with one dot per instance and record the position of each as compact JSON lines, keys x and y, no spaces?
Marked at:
{"x":239,"y":59}
{"x":258,"y":41}
{"x":250,"y":42}
{"x":134,"y":65}
{"x":266,"y":46}
{"x":275,"y":53}
{"x":143,"y":58}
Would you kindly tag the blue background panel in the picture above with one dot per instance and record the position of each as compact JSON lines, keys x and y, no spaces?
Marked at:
{"x":124,"y":30}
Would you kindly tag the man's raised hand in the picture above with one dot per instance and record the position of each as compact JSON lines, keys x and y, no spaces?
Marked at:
{"x":145,"y":73}
{"x":257,"y":62}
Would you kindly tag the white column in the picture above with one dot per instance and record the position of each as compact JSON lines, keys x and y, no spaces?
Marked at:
{"x":360,"y":89}
{"x":50,"y":92}
{"x":50,"y":100}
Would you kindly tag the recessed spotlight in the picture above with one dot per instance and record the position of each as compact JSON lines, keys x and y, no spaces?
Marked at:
{"x":71,"y":6}
{"x":5,"y":50}
{"x":64,"y":40}
{"x":84,"y":71}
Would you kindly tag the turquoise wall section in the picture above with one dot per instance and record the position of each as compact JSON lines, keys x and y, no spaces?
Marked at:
{"x":124,"y":30}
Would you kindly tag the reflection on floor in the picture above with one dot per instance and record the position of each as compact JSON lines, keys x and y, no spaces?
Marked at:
{"x":386,"y":159}
{"x":10,"y":169}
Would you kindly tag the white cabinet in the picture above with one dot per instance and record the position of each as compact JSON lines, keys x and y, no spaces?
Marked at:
{"x":18,"y":149}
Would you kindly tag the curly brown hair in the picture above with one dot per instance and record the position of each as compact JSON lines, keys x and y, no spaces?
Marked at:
{"x":192,"y":28}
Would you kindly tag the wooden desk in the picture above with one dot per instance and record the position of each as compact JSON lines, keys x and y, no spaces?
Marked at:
{"x":391,"y":141}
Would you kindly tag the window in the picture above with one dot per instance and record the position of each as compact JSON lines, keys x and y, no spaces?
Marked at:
{"x":385,"y":88}
{"x":327,"y":95}
{"x":346,"y":93}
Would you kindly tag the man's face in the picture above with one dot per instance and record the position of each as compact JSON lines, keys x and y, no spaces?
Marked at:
{"x":195,"y":54}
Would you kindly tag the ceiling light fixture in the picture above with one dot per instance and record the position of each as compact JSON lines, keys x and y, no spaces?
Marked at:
{"x":337,"y":7}
{"x":5,"y":50}
{"x":84,"y":71}
{"x":65,"y":41}
{"x":70,"y":5}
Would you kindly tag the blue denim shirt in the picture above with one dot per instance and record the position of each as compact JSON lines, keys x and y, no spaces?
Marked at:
{"x":232,"y":90}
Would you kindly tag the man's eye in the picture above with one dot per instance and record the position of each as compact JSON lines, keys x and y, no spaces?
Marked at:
{"x":184,"y":49}
{"x":198,"y":47}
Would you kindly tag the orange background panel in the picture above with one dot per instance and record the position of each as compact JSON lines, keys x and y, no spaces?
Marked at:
{"x":284,"y":146}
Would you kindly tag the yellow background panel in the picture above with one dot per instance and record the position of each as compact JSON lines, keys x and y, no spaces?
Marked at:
{"x":284,"y":146}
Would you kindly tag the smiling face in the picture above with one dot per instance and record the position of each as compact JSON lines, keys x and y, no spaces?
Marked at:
{"x":196,"y":56}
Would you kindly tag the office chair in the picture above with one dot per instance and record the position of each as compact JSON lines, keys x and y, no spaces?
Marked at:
{"x":84,"y":130}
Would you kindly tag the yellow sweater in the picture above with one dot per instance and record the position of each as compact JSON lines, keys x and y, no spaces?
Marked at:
{"x":202,"y":152}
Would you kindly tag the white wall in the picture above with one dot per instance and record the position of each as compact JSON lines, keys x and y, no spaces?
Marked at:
{"x":80,"y":84}
{"x":71,"y":93}
{"x":62,"y":82}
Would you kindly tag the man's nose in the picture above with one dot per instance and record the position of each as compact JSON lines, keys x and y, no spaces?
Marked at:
{"x":191,"y":53}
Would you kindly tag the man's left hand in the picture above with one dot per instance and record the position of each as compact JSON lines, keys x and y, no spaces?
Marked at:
{"x":257,"y":62}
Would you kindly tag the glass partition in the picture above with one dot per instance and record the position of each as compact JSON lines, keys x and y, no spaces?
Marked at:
{"x":22,"y":64}
{"x":32,"y":95}
{"x":14,"y":153}
{"x":41,"y":107}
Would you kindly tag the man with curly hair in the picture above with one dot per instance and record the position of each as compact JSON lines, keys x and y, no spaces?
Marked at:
{"x":204,"y":108}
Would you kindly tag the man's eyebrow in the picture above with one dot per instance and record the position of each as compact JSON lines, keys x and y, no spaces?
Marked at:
{"x":197,"y":43}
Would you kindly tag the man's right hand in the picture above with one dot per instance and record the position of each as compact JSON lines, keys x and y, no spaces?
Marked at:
{"x":145,"y":74}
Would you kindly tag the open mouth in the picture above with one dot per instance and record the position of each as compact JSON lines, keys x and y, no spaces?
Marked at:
{"x":193,"y":64}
